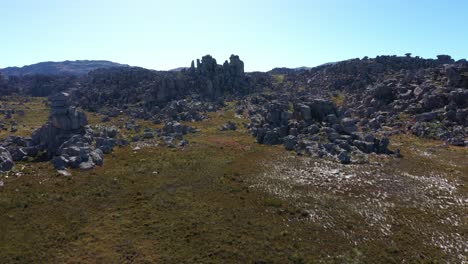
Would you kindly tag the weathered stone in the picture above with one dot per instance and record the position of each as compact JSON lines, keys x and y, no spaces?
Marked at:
{"x":183,"y":143}
{"x":87,"y":165}
{"x":229,"y":126}
{"x":366,"y":147}
{"x":105,"y":144}
{"x":97,"y":156}
{"x":344,"y":157}
{"x":18,"y":153}
{"x":6,"y":161}
{"x":271,"y":138}
{"x":60,"y":162}
{"x":426,"y":117}
{"x":289,"y":142}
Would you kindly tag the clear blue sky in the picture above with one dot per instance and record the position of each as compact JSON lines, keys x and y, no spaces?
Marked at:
{"x":165,"y":34}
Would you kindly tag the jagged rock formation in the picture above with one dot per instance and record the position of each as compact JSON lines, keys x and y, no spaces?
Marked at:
{"x":64,"y":122}
{"x":216,"y":81}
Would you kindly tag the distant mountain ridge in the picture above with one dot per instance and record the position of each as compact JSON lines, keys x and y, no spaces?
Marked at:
{"x":76,"y":68}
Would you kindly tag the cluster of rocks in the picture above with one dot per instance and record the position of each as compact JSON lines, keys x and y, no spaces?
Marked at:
{"x":429,"y":103}
{"x":66,"y":139}
{"x":425,"y":97}
{"x":187,"y":110}
{"x":312,"y":126}
{"x":173,"y":130}
{"x":13,"y":126}
{"x":9,"y":123}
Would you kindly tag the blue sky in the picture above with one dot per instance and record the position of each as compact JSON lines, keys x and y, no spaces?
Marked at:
{"x":168,"y":34}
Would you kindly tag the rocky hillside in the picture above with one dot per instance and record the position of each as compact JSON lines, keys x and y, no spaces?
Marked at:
{"x":76,"y":68}
{"x":380,"y":96}
{"x":390,"y":94}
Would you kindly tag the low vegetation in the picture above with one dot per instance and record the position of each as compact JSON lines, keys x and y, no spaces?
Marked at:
{"x":226,"y":199}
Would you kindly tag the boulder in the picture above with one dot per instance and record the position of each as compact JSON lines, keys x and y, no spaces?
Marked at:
{"x":305,"y":111}
{"x":105,"y":144}
{"x":148,"y":134}
{"x":87,"y":165}
{"x":366,"y":147}
{"x":290,"y":142}
{"x":6,"y":161}
{"x":60,"y":162}
{"x":320,"y":108}
{"x":384,"y":93}
{"x":111,"y":131}
{"x":271,"y":138}
{"x":344,"y":157}
{"x":97,"y":156}
{"x":427,"y":117}
{"x":229,"y":126}
{"x":183,"y":143}
{"x":18,"y":153}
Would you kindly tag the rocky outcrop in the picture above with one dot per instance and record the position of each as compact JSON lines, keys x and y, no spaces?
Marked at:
{"x":66,"y":139}
{"x":216,"y":81}
{"x":65,"y":121}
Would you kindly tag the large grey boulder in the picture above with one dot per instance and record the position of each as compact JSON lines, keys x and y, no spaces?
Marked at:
{"x":87,"y":165}
{"x":6,"y":161}
{"x":97,"y":156}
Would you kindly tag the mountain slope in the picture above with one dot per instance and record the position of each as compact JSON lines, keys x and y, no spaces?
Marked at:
{"x":79,"y":67}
